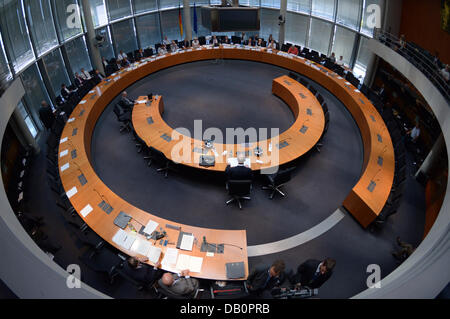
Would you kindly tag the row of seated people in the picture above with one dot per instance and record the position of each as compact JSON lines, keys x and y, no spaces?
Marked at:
{"x":263,"y":281}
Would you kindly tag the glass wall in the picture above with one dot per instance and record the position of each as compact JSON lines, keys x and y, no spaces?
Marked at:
{"x":343,"y":44}
{"x":106,"y":49}
{"x":27,"y":118}
{"x":170,"y":4}
{"x":319,"y":35}
{"x":56,"y":70}
{"x":299,"y":6}
{"x":366,"y":25}
{"x":248,"y":3}
{"x":145,"y":5}
{"x":148,"y":30}
{"x":15,"y":34}
{"x":124,"y":36}
{"x":118,"y":9}
{"x":5,"y":72}
{"x":78,"y":55}
{"x":269,"y":23}
{"x":98,"y":12}
{"x":349,"y":13}
{"x":363,"y":58}
{"x":41,"y":23}
{"x":170,"y":26}
{"x":68,"y":15}
{"x":323,"y":9}
{"x":270,"y":4}
{"x":296,"y":28}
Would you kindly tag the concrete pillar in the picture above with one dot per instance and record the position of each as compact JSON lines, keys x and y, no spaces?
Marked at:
{"x":283,"y":11}
{"x":91,"y":42}
{"x":434,"y":158}
{"x":187,"y":20}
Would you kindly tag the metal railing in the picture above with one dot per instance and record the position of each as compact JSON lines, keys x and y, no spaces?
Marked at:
{"x":418,"y":57}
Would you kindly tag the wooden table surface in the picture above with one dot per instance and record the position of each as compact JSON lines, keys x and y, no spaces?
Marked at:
{"x":365,"y":201}
{"x":185,"y":150}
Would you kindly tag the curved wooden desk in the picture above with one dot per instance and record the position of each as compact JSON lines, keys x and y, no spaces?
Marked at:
{"x":365,"y":201}
{"x":288,"y":146}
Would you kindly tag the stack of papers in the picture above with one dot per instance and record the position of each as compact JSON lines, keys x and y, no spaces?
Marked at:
{"x":145,"y":248}
{"x":187,"y":242}
{"x":170,"y":257}
{"x":194,"y":264}
{"x":124,"y":239}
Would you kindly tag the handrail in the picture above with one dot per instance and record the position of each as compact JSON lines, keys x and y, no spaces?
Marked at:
{"x":416,"y":57}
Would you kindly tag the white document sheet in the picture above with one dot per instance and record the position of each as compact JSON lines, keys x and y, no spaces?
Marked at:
{"x":153,"y":254}
{"x":141,"y":247}
{"x":193,"y":264}
{"x":170,"y":257}
{"x":150,"y":227}
{"x":186,"y":242}
{"x":124,"y":239}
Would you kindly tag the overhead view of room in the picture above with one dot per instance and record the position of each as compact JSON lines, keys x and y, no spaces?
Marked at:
{"x":224,"y":149}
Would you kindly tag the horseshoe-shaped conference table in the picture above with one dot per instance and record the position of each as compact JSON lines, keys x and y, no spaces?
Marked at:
{"x":99,"y":206}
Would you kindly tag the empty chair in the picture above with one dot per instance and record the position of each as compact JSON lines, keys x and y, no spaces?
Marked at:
{"x":277,"y":180}
{"x":313,"y":90}
{"x":123,"y":117}
{"x":325,"y":108}
{"x":304,"y":82}
{"x":320,"y":98}
{"x":160,"y":158}
{"x":148,"y":52}
{"x":325,"y":130}
{"x":285,"y":47}
{"x":293,"y":76}
{"x":238,"y":190}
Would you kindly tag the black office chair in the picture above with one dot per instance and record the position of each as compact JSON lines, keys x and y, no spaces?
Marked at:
{"x":313,"y":90}
{"x":304,"y":82}
{"x":320,"y":98}
{"x":159,"y":157}
{"x":325,"y":108}
{"x":325,"y":130}
{"x":239,"y":189}
{"x":277,"y":180}
{"x":123,"y":117}
{"x":293,"y":76}
{"x":285,"y":47}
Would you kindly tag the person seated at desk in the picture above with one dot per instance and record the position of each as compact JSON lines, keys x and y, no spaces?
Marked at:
{"x":79,"y":82}
{"x":259,"y":43}
{"x":262,"y":279}
{"x":139,"y":55}
{"x":166,"y":41}
{"x":332,"y":57}
{"x":125,"y":62}
{"x":272,"y":45}
{"x":85,"y":75}
{"x":226,"y":40}
{"x":186,"y":44}
{"x":195,"y":43}
{"x":126,"y":103}
{"x":121,"y":56}
{"x":136,"y":268}
{"x":270,"y":39}
{"x":98,"y":77}
{"x":313,"y":273}
{"x":162,"y":49}
{"x":243,"y":36}
{"x":46,"y":115}
{"x":117,"y":65}
{"x":66,"y":93}
{"x":340,"y":62}
{"x":173,"y":46}
{"x":239,"y":172}
{"x":445,"y":73}
{"x":105,"y":62}
{"x":214,"y":41}
{"x":179,"y":284}
{"x":293,"y":50}
{"x":249,"y":42}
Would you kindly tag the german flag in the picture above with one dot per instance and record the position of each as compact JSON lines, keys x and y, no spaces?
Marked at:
{"x":180,"y":21}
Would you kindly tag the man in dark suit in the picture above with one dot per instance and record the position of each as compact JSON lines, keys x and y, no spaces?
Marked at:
{"x":139,"y":55}
{"x":142,"y":273}
{"x":97,"y":77}
{"x":313,"y":273}
{"x":126,"y":103}
{"x":179,"y":284}
{"x":186,"y":44}
{"x":239,"y":172}
{"x":79,"y":82}
{"x":66,"y":93}
{"x":263,"y":279}
{"x":46,"y":115}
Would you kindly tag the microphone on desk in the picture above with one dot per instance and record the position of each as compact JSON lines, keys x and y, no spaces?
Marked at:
{"x":379,"y":170}
{"x":232,"y":245}
{"x":102,"y":197}
{"x":78,"y":167}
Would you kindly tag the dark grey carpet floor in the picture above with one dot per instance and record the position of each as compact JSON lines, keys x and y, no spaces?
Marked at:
{"x":318,"y":187}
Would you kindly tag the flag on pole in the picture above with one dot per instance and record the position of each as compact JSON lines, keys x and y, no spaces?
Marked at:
{"x":195,"y":19}
{"x":180,"y":21}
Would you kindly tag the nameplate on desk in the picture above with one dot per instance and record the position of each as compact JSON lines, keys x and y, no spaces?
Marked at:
{"x":309,"y":111}
{"x":150,"y":120}
{"x":73,"y":153}
{"x":380,"y":139}
{"x":117,"y":78}
{"x":82,"y":179}
{"x":81,"y":113}
{"x":348,"y":83}
{"x":74,"y":131}
{"x":82,"y":102}
{"x":357,"y":91}
{"x":85,"y":211}
{"x":64,"y":167}
{"x":371,"y":186}
{"x":166,"y":137}
{"x":373,"y":118}
{"x":287,"y":82}
{"x":380,"y":161}
{"x":302,"y":95}
{"x":303,"y":129}
{"x":105,"y":207}
{"x":63,"y":140}
{"x":282,"y":145}
{"x":71,"y":192}
{"x":71,"y":120}
{"x":63,"y":153}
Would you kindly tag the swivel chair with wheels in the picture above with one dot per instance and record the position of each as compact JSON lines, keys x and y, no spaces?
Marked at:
{"x":277,"y":180}
{"x":238,"y":190}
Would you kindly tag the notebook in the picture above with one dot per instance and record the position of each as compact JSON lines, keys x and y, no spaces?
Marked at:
{"x":235,"y":270}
